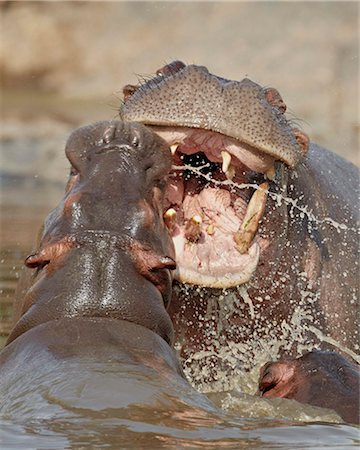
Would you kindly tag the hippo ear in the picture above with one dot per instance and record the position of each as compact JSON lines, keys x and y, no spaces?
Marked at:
{"x":48,"y":253}
{"x":163,"y":262}
{"x":148,"y":260}
{"x":36,"y":260}
{"x":274,"y":379}
{"x":151,"y":264}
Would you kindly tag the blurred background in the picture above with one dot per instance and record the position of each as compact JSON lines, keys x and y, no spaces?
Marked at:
{"x":63,"y":64}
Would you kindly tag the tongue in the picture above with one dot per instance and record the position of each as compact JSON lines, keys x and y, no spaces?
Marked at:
{"x":174,"y":192}
{"x":215,"y":209}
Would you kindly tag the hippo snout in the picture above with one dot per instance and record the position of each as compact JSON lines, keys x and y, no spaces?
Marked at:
{"x":105,"y":250}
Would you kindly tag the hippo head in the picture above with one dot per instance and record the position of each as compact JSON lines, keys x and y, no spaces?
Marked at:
{"x":232,"y":148}
{"x":105,"y":251}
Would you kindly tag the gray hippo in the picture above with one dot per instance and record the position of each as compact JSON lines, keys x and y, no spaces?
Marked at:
{"x":93,"y":335}
{"x":264,"y":224}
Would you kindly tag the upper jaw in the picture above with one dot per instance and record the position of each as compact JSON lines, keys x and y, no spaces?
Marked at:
{"x":192,"y":140}
{"x":188,"y":96}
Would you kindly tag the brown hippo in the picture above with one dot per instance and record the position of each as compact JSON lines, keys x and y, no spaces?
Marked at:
{"x":93,"y":332}
{"x":264,"y":224}
{"x":323,"y":379}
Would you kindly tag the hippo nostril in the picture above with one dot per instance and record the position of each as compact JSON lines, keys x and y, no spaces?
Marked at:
{"x":109,"y":134}
{"x":135,"y":141}
{"x":170,"y":69}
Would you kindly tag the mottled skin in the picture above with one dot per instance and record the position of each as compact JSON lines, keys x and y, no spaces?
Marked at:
{"x":190,"y":96}
{"x":95,"y":311}
{"x":304,"y":292}
{"x":323,"y":379}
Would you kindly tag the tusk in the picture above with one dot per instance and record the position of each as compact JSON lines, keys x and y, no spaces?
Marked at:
{"x":230,"y":173}
{"x":226,"y":160}
{"x":193,"y":228}
{"x":254,"y":212}
{"x":170,"y":219}
{"x":210,"y":229}
{"x":270,"y":173}
{"x":173,"y":148}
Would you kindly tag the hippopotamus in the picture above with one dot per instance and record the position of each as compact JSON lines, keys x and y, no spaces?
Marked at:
{"x":93,"y":332}
{"x":324,"y":379}
{"x":264,"y":224}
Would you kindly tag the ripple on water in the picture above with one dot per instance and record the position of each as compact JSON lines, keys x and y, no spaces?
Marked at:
{"x":115,"y":433}
{"x":265,"y":424}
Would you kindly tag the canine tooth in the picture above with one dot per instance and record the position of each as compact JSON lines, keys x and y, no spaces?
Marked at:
{"x":226,"y":160}
{"x":210,"y":229}
{"x":196,"y":220}
{"x":270,"y":173}
{"x":170,"y":218}
{"x":173,"y":148}
{"x":230,"y":173}
{"x":254,"y":212}
{"x":193,"y":228}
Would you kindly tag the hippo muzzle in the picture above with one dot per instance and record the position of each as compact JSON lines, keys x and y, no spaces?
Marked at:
{"x":105,"y":251}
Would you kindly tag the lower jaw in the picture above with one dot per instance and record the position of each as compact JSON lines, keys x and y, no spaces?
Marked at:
{"x":244,"y":239}
{"x":231,"y":278}
{"x":224,"y":259}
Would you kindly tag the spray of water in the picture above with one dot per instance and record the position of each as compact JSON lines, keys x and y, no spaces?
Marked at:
{"x":234,"y":364}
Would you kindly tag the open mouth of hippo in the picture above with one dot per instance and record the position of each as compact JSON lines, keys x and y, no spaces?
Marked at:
{"x":213,"y":223}
{"x":225,"y":138}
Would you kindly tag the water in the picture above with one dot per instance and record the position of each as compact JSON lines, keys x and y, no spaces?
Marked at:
{"x":189,"y":433}
{"x":122,"y":433}
{"x":233,"y":420}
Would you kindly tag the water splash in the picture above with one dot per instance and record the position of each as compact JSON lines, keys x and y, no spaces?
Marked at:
{"x":278,"y":197}
{"x":234,"y":353}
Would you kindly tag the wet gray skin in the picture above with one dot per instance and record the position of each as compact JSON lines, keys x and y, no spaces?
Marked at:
{"x":304,"y":291}
{"x":110,"y":220}
{"x":92,"y":332}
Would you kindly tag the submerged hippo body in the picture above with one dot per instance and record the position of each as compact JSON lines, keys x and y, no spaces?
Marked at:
{"x":93,"y":333}
{"x":270,"y":264}
{"x":323,"y":379}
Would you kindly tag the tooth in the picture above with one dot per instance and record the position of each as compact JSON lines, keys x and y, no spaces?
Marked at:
{"x":270,"y":173}
{"x":173,"y":148}
{"x":230,"y":173}
{"x":196,"y":220}
{"x":193,"y":228}
{"x":170,"y":218}
{"x":226,"y":160}
{"x":254,"y":212}
{"x":210,"y":229}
